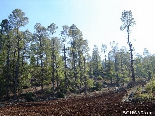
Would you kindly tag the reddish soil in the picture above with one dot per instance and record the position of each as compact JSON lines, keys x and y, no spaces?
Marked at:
{"x":108,"y":103}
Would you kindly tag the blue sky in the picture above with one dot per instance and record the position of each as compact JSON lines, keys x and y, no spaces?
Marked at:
{"x":99,"y":20}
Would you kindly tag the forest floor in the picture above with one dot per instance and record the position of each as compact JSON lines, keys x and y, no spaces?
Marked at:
{"x":95,"y":104}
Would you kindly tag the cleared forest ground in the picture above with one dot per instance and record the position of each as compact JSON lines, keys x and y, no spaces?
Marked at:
{"x":107,"y":103}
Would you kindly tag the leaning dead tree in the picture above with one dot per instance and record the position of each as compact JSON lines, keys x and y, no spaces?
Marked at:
{"x":128,"y":21}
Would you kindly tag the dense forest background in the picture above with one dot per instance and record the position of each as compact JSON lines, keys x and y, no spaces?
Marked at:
{"x":33,"y":59}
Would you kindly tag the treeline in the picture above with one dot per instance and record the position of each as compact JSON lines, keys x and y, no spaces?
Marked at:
{"x":36,"y":59}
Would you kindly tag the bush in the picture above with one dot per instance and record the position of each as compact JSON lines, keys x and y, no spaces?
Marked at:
{"x":139,"y":89}
{"x":60,"y":94}
{"x":90,"y":83}
{"x":25,"y":86}
{"x":153,"y":89}
{"x":29,"y":96}
{"x":99,"y":78}
{"x":145,"y":96}
{"x":73,"y":90}
{"x":97,"y":86}
{"x":46,"y":82}
{"x":150,"y":86}
{"x":47,"y":90}
{"x":126,"y":80}
{"x":62,"y":89}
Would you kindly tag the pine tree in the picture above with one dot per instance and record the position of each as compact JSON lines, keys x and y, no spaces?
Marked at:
{"x":17,"y":19}
{"x":128,"y":21}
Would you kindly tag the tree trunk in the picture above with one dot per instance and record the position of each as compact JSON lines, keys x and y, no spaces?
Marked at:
{"x":65,"y":66}
{"x":8,"y":70}
{"x":41,"y":56}
{"x":53,"y":57}
{"x":42,"y":78}
{"x":13,"y":70}
{"x":130,"y":46}
{"x":117,"y":80}
{"x":80,"y":71}
{"x":74,"y":62}
{"x":85,"y":77}
{"x":17,"y":68}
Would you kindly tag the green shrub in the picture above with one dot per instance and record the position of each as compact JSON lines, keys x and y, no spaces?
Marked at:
{"x":73,"y":90}
{"x":145,"y":96}
{"x":29,"y":96}
{"x":60,"y":94}
{"x":126,"y":80}
{"x":47,"y":90}
{"x":99,"y":78}
{"x":139,"y":89}
{"x":153,"y":88}
{"x":62,"y":89}
{"x":97,"y":86}
{"x":46,"y":82}
{"x":90,"y":83}
{"x":150,"y":86}
{"x":26,"y":84}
